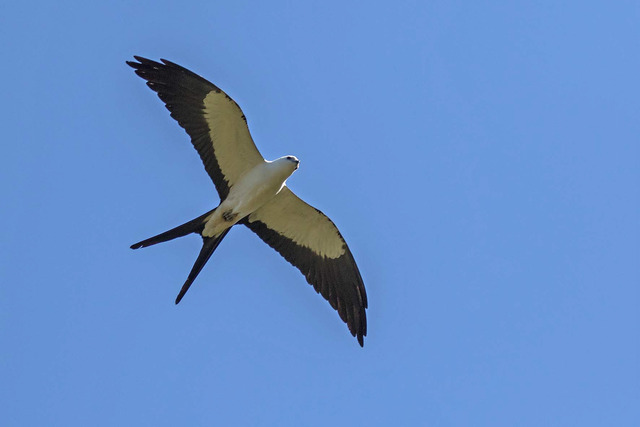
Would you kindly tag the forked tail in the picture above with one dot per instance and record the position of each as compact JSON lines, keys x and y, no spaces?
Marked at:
{"x":209,"y":244}
{"x":193,"y":226}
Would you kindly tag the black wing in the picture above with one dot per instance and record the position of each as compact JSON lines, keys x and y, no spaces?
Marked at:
{"x":215,"y":123}
{"x":310,"y":241}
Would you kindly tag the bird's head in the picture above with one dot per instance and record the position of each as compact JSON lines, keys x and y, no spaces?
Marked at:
{"x":285,"y":166}
{"x":293,"y":159}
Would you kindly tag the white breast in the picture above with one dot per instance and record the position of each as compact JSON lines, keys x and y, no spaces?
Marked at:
{"x":254,"y":189}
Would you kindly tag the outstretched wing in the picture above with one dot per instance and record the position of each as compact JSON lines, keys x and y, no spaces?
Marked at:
{"x":215,"y":123}
{"x":310,"y":241}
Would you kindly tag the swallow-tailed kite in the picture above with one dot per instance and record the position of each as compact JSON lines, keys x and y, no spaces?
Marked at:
{"x":253,"y":193}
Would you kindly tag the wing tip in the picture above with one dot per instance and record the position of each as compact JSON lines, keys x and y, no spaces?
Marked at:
{"x":141,"y":61}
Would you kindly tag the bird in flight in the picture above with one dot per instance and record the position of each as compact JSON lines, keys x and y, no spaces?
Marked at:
{"x":253,"y":192}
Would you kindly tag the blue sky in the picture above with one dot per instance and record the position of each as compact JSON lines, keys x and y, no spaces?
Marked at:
{"x":481,"y":159}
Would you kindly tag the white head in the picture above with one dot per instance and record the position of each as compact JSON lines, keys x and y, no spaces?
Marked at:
{"x":285,"y":166}
{"x":291,"y":162}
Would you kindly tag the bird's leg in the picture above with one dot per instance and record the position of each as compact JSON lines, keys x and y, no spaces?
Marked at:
{"x":229,"y":215}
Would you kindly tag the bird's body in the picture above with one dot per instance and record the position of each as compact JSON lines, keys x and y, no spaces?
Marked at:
{"x":253,"y":193}
{"x":255,"y":188}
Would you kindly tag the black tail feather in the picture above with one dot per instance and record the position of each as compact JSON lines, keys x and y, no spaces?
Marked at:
{"x":209,"y":245}
{"x":193,"y":226}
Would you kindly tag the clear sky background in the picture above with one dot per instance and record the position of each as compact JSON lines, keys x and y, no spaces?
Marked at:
{"x":482,"y":159}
